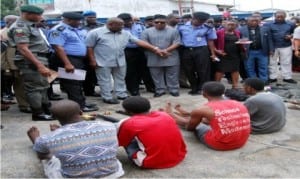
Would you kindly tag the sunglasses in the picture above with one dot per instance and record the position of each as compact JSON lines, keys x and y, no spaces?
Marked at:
{"x":159,"y":22}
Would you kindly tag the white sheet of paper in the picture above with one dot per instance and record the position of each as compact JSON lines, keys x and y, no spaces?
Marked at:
{"x":76,"y":75}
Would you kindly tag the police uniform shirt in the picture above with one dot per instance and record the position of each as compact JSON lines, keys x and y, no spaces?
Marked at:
{"x":70,"y":38}
{"x":136,"y":30}
{"x":89,"y":27}
{"x":23,"y":31}
{"x":192,"y":36}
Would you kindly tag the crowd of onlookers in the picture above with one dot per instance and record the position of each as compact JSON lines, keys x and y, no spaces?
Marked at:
{"x":188,"y":57}
{"x":164,"y":53}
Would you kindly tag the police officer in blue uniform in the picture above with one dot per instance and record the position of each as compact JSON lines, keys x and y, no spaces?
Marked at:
{"x":135,"y":59}
{"x":90,"y":23}
{"x":67,"y":39}
{"x":198,"y":49}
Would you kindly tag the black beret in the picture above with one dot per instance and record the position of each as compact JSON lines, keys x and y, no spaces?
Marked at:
{"x":201,"y":15}
{"x":124,"y":16}
{"x":31,"y":9}
{"x":186,"y":16}
{"x":159,"y":16}
{"x":148,"y":18}
{"x":72,"y":15}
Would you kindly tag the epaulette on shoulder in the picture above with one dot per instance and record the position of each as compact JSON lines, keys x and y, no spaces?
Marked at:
{"x":209,"y":26}
{"x":180,"y":23}
{"x":20,"y":24}
{"x":100,"y":24}
{"x":140,"y":23}
{"x":61,"y":28}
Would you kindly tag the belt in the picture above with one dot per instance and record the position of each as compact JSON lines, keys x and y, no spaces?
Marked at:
{"x":194,"y":48}
{"x":42,"y":54}
{"x":75,"y":56}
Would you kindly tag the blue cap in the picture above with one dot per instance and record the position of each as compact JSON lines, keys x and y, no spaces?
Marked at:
{"x":89,"y":13}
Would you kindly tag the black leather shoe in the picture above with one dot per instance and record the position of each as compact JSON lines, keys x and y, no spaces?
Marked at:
{"x":175,"y":94}
{"x":151,"y":90}
{"x":42,"y":117}
{"x":272,"y":80}
{"x":25,"y":110}
{"x":8,"y":97}
{"x":122,"y":98}
{"x":89,"y":109}
{"x":55,"y":97}
{"x":93,"y":94}
{"x":156,"y":95}
{"x":290,"y":81}
{"x":194,"y":93}
{"x":134,"y":93}
{"x":111,"y":101}
{"x":184,"y":85}
{"x":89,"y":105}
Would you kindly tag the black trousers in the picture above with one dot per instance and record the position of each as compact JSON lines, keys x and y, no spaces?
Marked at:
{"x":90,"y":79}
{"x":137,"y":70}
{"x":74,"y":88}
{"x":196,"y":63}
{"x":6,"y":83}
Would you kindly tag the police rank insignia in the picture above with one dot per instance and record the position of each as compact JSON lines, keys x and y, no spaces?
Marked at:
{"x":19,"y":32}
{"x":54,"y":34}
{"x":20,"y":24}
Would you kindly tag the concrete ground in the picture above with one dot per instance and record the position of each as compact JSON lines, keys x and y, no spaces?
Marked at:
{"x":274,"y":155}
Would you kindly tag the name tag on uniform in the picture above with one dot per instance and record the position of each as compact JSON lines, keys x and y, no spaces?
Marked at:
{"x":199,"y":39}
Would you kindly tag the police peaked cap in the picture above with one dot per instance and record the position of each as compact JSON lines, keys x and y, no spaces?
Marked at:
{"x":125,"y":16}
{"x":201,"y":15}
{"x":31,"y":9}
{"x":89,"y":13}
{"x":186,"y":16}
{"x":72,"y":15}
{"x":148,"y":18}
{"x":159,"y":16}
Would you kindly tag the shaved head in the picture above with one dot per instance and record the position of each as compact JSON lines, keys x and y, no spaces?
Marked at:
{"x":65,"y":110}
{"x":115,"y":24}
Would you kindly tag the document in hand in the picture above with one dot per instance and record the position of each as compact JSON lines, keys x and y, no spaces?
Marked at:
{"x":53,"y":75}
{"x":78,"y":74}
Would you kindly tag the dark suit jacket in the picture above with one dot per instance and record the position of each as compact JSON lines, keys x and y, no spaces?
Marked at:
{"x":265,"y":37}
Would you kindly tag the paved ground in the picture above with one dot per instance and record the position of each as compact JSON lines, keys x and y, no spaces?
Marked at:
{"x":274,"y":155}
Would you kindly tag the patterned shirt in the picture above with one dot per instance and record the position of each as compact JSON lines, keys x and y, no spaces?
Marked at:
{"x":85,"y":149}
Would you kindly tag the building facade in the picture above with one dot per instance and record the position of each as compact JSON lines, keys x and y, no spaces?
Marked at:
{"x":139,"y":8}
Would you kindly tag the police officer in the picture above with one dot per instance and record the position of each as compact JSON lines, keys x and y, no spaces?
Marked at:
{"x":31,"y":52}
{"x":148,"y":21}
{"x":90,"y":22}
{"x":135,"y":58}
{"x":67,"y":39}
{"x":196,"y":36}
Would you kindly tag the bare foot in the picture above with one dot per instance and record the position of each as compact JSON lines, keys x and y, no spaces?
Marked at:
{"x":181,"y":111}
{"x":168,"y":108}
{"x":161,"y":109}
{"x":33,"y":133}
{"x":205,"y":121}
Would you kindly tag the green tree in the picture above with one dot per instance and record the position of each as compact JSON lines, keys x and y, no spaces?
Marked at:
{"x":8,"y":7}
